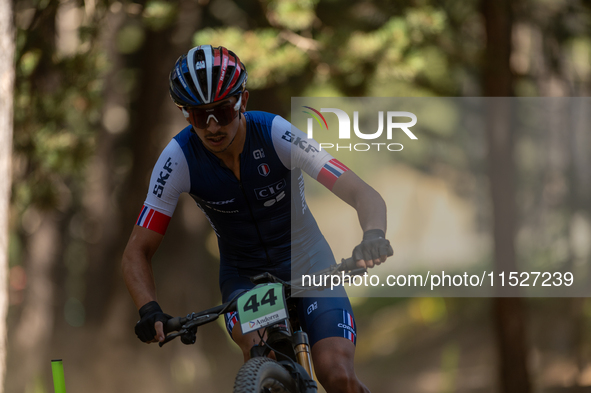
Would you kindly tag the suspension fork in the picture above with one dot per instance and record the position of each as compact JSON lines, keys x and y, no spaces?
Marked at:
{"x":301,"y":346}
{"x":279,"y":338}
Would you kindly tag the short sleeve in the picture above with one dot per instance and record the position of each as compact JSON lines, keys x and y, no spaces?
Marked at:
{"x":296,"y":150}
{"x":170,"y":178}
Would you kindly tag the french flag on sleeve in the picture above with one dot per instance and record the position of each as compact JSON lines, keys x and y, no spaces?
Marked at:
{"x":349,"y":327}
{"x":152,"y":219}
{"x":330,"y":172}
{"x":232,"y":320}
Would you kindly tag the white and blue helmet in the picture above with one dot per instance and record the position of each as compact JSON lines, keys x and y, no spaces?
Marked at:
{"x":205,"y":75}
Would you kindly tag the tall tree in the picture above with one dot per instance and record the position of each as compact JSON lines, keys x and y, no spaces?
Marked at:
{"x":51,"y":147}
{"x":6,"y":93}
{"x":497,"y":82}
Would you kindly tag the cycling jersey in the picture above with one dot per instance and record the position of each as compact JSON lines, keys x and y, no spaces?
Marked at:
{"x":259,"y":222}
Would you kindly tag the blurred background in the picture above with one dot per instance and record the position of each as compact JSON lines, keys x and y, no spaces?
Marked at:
{"x":91,"y":114}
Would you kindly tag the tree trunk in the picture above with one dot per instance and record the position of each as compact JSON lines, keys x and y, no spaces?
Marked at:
{"x":6,"y":93}
{"x":497,"y":82}
{"x":146,"y":136}
{"x":32,"y":335}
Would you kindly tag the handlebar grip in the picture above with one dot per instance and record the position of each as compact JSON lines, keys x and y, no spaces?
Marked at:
{"x":173,"y":324}
{"x":348,"y":264}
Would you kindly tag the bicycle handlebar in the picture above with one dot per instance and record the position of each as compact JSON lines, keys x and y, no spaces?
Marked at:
{"x":349,"y":265}
{"x":200,"y":318}
{"x":183,"y":325}
{"x":174,"y":324}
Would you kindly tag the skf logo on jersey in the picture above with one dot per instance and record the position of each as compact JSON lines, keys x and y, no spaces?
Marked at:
{"x":264,"y":169}
{"x":299,"y":142}
{"x":345,"y":128}
{"x":162,"y":178}
{"x":312,"y":307}
{"x":258,"y":154}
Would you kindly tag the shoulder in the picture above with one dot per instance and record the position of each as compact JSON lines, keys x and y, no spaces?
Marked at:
{"x":266,"y":126}
{"x":262,"y":121}
{"x":183,"y":137}
{"x":267,"y":123}
{"x":177,"y":154}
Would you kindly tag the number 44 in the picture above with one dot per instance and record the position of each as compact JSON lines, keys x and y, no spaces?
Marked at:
{"x":252,"y":303}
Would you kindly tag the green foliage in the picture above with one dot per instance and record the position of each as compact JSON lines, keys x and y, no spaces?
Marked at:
{"x":351,"y":56}
{"x":292,"y":14}
{"x":130,"y":38}
{"x":159,"y":15}
{"x":269,"y":59}
{"x":29,"y":62}
{"x":56,"y":112}
{"x":299,"y":48}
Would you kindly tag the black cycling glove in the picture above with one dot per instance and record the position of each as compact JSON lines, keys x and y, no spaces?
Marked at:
{"x":373,"y":246}
{"x":150,"y":313}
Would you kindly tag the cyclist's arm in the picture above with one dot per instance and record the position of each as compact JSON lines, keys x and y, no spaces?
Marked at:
{"x":296,"y":150}
{"x":370,"y":206}
{"x":137,"y":270}
{"x":170,"y":178}
{"x":371,"y":211}
{"x":137,"y":264}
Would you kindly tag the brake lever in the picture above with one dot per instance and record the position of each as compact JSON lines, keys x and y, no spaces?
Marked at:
{"x":171,"y":337}
{"x":358,"y":272}
{"x":188,"y":331}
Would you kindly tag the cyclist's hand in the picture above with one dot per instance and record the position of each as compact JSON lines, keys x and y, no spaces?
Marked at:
{"x":373,"y":250}
{"x":150,"y":327}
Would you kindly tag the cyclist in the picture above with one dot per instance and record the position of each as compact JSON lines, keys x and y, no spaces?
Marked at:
{"x":238,"y":166}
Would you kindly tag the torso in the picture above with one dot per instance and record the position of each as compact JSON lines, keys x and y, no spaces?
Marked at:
{"x":247,"y":198}
{"x":255,"y":200}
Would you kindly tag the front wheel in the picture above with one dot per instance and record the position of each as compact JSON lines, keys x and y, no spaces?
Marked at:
{"x":264,"y":375}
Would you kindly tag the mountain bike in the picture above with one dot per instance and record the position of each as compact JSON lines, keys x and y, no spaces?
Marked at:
{"x":268,"y":307}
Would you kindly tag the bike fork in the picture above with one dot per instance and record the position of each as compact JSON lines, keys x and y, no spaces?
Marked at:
{"x":302,"y":351}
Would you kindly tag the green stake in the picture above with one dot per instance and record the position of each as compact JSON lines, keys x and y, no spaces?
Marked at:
{"x":59,"y":382}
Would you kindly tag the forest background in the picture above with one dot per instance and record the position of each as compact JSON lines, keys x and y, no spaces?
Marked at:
{"x":83,"y":85}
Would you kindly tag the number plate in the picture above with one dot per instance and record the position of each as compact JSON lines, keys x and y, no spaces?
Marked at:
{"x":262,"y":306}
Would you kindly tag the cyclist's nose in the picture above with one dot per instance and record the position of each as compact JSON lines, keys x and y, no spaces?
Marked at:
{"x":212,"y":124}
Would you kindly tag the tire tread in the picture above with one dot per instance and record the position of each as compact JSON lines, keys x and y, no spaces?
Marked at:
{"x":249,"y":374}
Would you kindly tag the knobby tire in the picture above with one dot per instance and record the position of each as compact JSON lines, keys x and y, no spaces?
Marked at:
{"x":264,"y":375}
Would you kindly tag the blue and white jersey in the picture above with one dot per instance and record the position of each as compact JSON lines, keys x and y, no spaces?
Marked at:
{"x":257,"y":217}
